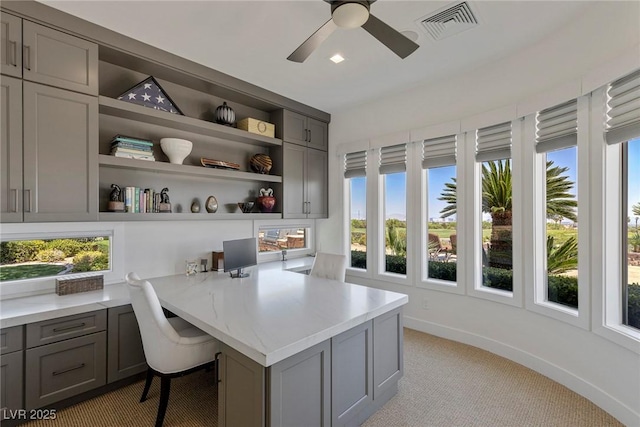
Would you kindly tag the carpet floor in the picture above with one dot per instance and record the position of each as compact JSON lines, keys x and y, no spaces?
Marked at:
{"x":445,"y":384}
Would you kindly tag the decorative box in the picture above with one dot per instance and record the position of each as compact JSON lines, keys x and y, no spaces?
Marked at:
{"x":257,"y":126}
{"x":218,"y":261}
{"x":85,"y":283}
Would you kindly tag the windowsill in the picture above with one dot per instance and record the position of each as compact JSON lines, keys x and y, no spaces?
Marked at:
{"x":625,"y":336}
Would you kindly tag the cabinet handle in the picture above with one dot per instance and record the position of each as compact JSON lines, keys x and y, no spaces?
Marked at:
{"x":27,"y":57}
{"x":27,"y":200}
{"x":308,"y":207}
{"x":14,"y":53}
{"x":15,"y":200}
{"x":217,"y":367}
{"x":66,"y":328}
{"x":308,"y":135}
{"x":64,"y":371}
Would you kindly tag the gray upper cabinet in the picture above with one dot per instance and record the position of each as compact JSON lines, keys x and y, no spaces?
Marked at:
{"x":298,"y":129}
{"x":60,"y":155}
{"x":58,"y":59}
{"x":11,"y":45}
{"x":11,"y":149}
{"x":304,"y":182}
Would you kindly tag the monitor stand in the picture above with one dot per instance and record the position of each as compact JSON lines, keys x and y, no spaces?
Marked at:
{"x":238,"y":274}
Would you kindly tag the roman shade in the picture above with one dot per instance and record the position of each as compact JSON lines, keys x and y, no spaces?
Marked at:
{"x":438,"y":152}
{"x":557,"y":127}
{"x":493,"y":142}
{"x":355,"y":164}
{"x":623,"y":109}
{"x":393,"y":159}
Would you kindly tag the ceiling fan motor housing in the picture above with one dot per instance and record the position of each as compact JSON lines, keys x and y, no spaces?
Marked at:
{"x":350,"y":14}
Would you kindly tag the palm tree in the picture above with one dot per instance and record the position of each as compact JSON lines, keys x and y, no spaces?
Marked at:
{"x":497,"y":201}
{"x":563,"y":257}
{"x":635,"y":209}
{"x":396,"y":240}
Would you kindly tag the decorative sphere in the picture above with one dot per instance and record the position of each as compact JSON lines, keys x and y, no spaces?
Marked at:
{"x":225,"y":115}
{"x":260,"y":163}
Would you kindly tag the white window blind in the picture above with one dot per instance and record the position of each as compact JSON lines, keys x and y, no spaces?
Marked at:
{"x":493,"y":142}
{"x":393,"y":159}
{"x":355,"y":164}
{"x":557,"y":127}
{"x":623,"y":112}
{"x":438,"y":152}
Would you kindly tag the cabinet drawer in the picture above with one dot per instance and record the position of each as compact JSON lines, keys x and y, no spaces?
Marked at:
{"x":64,"y":369}
{"x":11,"y":339}
{"x":63,"y":328}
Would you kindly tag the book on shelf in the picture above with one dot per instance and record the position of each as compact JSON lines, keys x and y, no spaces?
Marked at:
{"x":131,"y":151}
{"x":134,"y":156}
{"x":124,"y":138}
{"x":132,"y":146}
{"x":138,"y":200}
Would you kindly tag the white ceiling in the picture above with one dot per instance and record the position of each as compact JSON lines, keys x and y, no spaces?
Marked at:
{"x":251,"y":40}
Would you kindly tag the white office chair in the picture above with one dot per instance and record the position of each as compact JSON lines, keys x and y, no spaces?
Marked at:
{"x":329,"y":266}
{"x":172,"y":347}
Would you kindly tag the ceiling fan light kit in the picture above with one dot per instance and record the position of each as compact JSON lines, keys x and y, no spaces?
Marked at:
{"x":354,"y":14}
{"x":350,"y":15}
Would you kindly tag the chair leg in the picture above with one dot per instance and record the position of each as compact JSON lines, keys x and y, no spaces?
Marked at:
{"x":165,"y":388}
{"x":147,"y":385}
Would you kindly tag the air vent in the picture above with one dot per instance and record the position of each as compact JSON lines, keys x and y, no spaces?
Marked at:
{"x":449,"y":21}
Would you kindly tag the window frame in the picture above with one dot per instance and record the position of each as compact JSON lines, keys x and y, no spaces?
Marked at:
{"x":381,"y":273}
{"x":40,"y":285}
{"x":308,"y":224}
{"x":359,"y":272}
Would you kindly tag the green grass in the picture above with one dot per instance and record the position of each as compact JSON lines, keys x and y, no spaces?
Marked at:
{"x":29,"y":271}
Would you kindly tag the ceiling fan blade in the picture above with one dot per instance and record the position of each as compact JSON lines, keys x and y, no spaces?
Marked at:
{"x":391,"y":38}
{"x":309,"y":45}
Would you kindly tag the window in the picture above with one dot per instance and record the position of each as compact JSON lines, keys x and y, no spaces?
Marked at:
{"x":493,"y":151}
{"x":394,"y":209}
{"x":631,"y":233}
{"x":439,"y":158}
{"x":556,"y":141}
{"x":31,"y":258}
{"x":355,"y":171}
{"x":279,"y":239}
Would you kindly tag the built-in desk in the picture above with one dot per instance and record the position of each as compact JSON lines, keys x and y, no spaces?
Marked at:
{"x":298,"y":350}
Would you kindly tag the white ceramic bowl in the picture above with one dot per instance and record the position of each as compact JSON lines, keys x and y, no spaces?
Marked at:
{"x":176,"y":149}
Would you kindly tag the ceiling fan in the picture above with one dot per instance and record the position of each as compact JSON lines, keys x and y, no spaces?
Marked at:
{"x":353,"y":14}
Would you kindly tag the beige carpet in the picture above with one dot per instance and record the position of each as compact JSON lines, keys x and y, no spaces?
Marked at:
{"x":445,"y":384}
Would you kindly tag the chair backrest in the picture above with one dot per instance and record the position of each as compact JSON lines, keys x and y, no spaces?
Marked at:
{"x":158,"y":336}
{"x":434,"y":242}
{"x":329,"y":266}
{"x":454,"y":243}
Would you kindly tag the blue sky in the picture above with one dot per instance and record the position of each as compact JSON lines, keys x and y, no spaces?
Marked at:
{"x":437,"y":177}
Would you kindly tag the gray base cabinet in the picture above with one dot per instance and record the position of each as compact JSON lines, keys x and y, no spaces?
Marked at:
{"x":339,"y":382}
{"x":351,"y":374}
{"x":11,"y":370}
{"x":65,"y":357}
{"x":125,"y":354}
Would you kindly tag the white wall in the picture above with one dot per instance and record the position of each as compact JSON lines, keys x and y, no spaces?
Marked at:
{"x":600,"y":45}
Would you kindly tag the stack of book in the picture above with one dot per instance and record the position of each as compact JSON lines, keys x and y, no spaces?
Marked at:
{"x":132,"y":148}
{"x":139,"y":200}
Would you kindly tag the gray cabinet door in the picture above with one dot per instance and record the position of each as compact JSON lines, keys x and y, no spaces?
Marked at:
{"x":125,"y":355}
{"x":64,"y":369}
{"x":10,"y":45}
{"x":316,"y":184}
{"x":241,"y":391}
{"x":318,"y":134}
{"x":11,"y":383}
{"x":351,"y":375}
{"x":294,"y":128}
{"x":11,"y":149}
{"x":60,"y":155}
{"x":58,"y":59}
{"x":300,"y":389}
{"x":293,"y":181}
{"x":11,"y":339}
{"x":387,"y":352}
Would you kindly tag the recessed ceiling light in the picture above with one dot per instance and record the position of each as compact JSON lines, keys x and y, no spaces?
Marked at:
{"x":337,"y":58}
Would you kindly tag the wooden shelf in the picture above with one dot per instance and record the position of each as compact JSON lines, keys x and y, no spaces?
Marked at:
{"x":183,"y":170}
{"x":127,"y":110}
{"x":184,"y":216}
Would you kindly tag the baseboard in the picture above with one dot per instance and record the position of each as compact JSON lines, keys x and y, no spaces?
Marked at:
{"x":599,"y":397}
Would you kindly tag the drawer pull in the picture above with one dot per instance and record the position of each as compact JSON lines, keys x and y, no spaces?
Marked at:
{"x":27,"y":57}
{"x":80,"y":366}
{"x":14,"y":56}
{"x":66,"y":328}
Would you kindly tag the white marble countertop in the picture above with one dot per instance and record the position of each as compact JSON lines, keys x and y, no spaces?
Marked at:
{"x":36,"y":308}
{"x":273,"y":314}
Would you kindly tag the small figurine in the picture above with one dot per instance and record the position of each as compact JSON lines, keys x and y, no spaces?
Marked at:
{"x":165,"y":205}
{"x":115,"y":205}
{"x":164,"y":196}
{"x":115,"y":193}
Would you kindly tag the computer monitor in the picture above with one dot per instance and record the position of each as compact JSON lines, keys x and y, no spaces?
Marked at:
{"x":239,"y":254}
